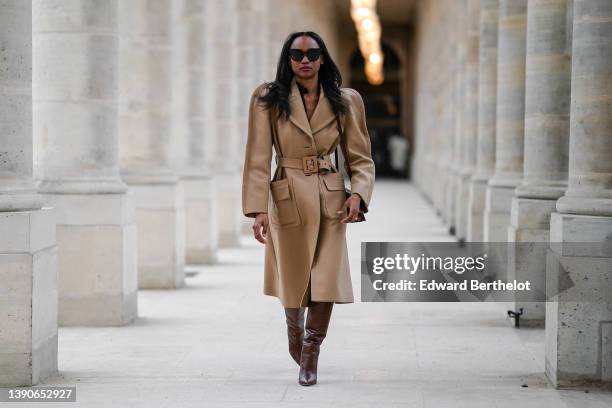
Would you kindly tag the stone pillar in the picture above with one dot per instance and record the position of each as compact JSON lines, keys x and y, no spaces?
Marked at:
{"x":458,"y":63}
{"x":424,"y":165}
{"x":146,"y":151}
{"x":260,"y":32}
{"x":189,"y":127}
{"x":223,"y":131}
{"x":487,"y":101}
{"x":446,"y":128}
{"x":279,"y":27}
{"x":547,"y":106}
{"x":28,"y":255}
{"x":75,"y":128}
{"x":421,"y":148}
{"x":247,"y":70}
{"x":510,"y":122}
{"x":470,"y":117}
{"x":579,"y":321}
{"x":434,"y":158}
{"x":461,"y":131}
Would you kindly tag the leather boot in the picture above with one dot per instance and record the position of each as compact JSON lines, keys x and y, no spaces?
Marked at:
{"x":317,"y":322}
{"x":295,"y":331}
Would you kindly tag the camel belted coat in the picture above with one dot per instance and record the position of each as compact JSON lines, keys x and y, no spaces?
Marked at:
{"x":306,"y":242}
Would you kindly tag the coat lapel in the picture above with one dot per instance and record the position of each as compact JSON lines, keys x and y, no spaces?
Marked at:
{"x":298,"y":113}
{"x":321,"y":117}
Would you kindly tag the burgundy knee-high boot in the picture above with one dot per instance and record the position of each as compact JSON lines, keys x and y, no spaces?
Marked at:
{"x":295,"y":331}
{"x":317,"y":322}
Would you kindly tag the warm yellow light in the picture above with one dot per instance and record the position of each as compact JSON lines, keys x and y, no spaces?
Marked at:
{"x":367,"y":24}
{"x":359,"y":14}
{"x":370,"y":4}
{"x":363,"y":13}
{"x":374,"y":74}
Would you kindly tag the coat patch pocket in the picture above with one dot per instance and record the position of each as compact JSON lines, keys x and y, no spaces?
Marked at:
{"x":333,"y":194}
{"x":284,"y":211}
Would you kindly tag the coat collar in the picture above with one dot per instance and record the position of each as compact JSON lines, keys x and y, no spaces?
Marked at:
{"x":322,"y":115}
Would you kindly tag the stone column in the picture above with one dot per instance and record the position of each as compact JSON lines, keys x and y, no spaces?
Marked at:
{"x":189,"y":127}
{"x":28,"y":254}
{"x":457,"y":37}
{"x":579,"y":321}
{"x":461,"y":194}
{"x":487,"y":101}
{"x":433,"y":160}
{"x":470,"y":116}
{"x":547,"y":106}
{"x":223,"y":130}
{"x":420,"y":147}
{"x":424,"y":163}
{"x":75,"y":129}
{"x":279,"y":26}
{"x":446,"y":128}
{"x":510,"y":123}
{"x":147,"y":162}
{"x":260,"y":27}
{"x":247,"y":70}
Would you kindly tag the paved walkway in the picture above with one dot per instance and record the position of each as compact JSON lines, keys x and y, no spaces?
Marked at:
{"x":219,"y":342}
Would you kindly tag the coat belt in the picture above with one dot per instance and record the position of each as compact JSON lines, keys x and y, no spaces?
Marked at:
{"x":308,"y":164}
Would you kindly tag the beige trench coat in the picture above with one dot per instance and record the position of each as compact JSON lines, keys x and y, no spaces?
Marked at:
{"x":305,"y":240}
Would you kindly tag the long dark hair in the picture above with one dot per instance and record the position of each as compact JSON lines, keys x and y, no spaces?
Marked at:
{"x":277,"y":95}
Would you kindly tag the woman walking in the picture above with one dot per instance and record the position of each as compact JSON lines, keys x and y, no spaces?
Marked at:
{"x":301,"y":213}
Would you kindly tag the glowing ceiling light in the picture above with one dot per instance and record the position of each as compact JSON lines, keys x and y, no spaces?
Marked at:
{"x":363,"y":13}
{"x":359,"y":14}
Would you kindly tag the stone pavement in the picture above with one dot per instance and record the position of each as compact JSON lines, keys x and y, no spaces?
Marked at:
{"x":219,"y":342}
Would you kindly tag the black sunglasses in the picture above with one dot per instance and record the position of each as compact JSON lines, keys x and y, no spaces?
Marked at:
{"x":297,"y":55}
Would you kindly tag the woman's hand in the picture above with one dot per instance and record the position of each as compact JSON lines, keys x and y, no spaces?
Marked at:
{"x":261,"y":220}
{"x":352,"y":203}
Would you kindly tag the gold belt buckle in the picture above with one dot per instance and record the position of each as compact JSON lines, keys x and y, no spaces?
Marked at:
{"x":310,"y":165}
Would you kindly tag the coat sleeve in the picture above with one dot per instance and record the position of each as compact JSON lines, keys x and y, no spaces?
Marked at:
{"x":359,"y":149}
{"x":257,"y":159}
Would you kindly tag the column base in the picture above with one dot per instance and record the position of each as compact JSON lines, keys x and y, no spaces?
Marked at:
{"x":529,"y":223}
{"x":579,"y":319}
{"x":439,"y":181}
{"x":229,"y":203}
{"x":96,"y":240}
{"x":99,"y":310}
{"x":201,"y":220}
{"x":28,"y":272}
{"x":429,"y":180}
{"x":582,"y":204}
{"x":451,"y":200}
{"x":497,"y":213}
{"x":475,"y":223}
{"x":463,"y":200}
{"x":160,"y":217}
